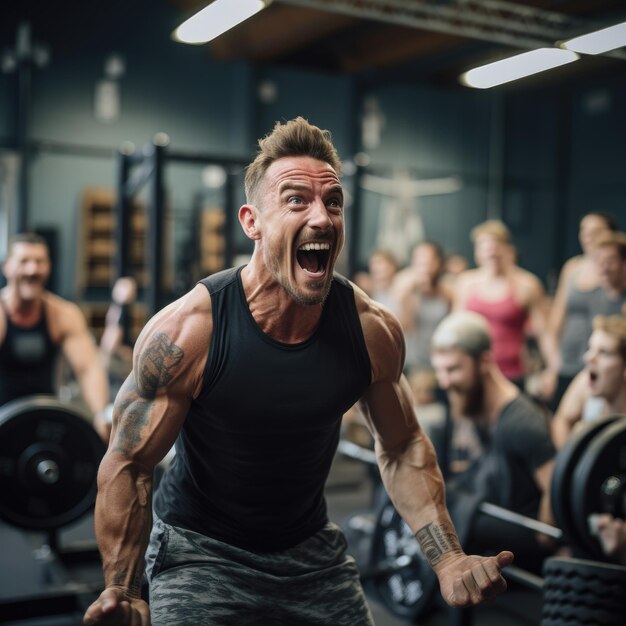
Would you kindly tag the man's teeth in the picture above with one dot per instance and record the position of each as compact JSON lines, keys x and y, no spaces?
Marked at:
{"x":314,"y":246}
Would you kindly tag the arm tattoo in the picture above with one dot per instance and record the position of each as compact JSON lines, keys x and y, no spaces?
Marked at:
{"x":436,"y":540}
{"x":156,"y":364}
{"x":155,"y":370}
{"x":134,"y":588}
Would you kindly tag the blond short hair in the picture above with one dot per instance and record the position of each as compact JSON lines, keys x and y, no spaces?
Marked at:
{"x":494,"y":228}
{"x":612,"y":238}
{"x":465,"y":331}
{"x":613,"y":325}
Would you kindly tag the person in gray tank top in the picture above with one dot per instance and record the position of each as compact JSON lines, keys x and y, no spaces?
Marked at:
{"x":569,"y":324}
{"x":424,"y":301}
{"x":250,"y":424}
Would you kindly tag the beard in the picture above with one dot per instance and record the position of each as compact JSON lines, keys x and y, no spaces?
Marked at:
{"x":321,"y":288}
{"x":467,"y":402}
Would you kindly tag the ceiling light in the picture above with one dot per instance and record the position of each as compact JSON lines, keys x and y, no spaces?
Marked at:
{"x":599,"y":41}
{"x":217,"y":18}
{"x":517,"y":66}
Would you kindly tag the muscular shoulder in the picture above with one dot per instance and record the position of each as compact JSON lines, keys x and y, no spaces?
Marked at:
{"x":174,"y":344}
{"x":383,"y":337}
{"x":65,"y":318}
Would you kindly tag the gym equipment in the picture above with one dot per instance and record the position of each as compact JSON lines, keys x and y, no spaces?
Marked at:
{"x":562,"y":484}
{"x":578,"y":592}
{"x":400,"y":575}
{"x":49,"y":458}
{"x":589,"y":477}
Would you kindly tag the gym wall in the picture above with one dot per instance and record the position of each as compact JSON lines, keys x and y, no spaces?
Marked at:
{"x":547,"y":150}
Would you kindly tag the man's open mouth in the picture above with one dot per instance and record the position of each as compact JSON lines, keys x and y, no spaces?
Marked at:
{"x":313,"y":257}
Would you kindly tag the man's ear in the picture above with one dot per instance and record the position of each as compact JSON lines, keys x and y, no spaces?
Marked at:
{"x":248,"y":221}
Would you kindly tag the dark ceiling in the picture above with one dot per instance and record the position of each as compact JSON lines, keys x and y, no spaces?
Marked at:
{"x":431,"y":41}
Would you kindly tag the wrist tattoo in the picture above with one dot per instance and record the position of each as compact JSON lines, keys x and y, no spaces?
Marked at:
{"x":436,"y":540}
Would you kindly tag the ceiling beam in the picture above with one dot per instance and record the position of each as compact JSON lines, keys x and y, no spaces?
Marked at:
{"x":495,"y":21}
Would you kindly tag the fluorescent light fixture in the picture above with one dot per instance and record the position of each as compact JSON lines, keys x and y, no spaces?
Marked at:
{"x":599,"y":41}
{"x":517,"y":66}
{"x":217,"y":18}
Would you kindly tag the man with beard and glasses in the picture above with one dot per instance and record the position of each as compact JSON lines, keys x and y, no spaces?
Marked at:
{"x":514,"y":456}
{"x":250,"y":374}
{"x":36,"y":327}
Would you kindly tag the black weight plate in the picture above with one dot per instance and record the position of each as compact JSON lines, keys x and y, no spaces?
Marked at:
{"x":562,"y":484}
{"x":49,"y":458}
{"x":405,"y":583}
{"x":604,"y":456}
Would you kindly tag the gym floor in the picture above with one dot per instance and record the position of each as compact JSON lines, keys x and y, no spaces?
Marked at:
{"x":348,"y":490}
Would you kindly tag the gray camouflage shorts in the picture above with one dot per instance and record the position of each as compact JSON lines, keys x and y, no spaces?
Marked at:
{"x":198,"y":581}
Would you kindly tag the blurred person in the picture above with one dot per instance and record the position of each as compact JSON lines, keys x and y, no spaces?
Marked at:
{"x":600,"y":388}
{"x":513,"y":465}
{"x":423,"y":301}
{"x":377,"y":282}
{"x":455,"y":264}
{"x":429,"y":410}
{"x":116,"y":342}
{"x":509,"y":424}
{"x":569,"y":322}
{"x":37,"y":327}
{"x":609,"y":253}
{"x":511,"y":299}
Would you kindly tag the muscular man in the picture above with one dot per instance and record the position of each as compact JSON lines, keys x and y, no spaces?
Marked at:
{"x":250,"y":373}
{"x":600,"y":388}
{"x":36,"y":326}
{"x":512,"y":465}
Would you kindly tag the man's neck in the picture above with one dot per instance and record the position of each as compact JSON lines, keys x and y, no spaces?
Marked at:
{"x":617,"y":404}
{"x":20,"y":309}
{"x":499,"y":391}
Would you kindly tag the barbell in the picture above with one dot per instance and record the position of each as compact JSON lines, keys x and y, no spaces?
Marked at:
{"x":589,"y":477}
{"x":49,"y":458}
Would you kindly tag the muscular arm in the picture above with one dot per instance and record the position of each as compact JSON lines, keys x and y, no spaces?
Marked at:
{"x":149,"y":411}
{"x":80,"y":350}
{"x":409,"y":469}
{"x":405,"y":455}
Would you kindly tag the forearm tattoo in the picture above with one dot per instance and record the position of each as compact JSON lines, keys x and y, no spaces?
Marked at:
{"x":134,"y":586}
{"x":155,"y":369}
{"x":436,"y":540}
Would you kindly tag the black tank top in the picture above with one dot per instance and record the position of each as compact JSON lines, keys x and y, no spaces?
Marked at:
{"x":28,"y":359}
{"x":257,"y":445}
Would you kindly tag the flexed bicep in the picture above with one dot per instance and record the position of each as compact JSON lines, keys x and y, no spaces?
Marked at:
{"x":152,"y":403}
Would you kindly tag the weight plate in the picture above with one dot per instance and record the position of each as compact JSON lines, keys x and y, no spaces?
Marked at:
{"x":49,"y":458}
{"x":605,"y":456}
{"x":404,"y":582}
{"x":562,"y":485}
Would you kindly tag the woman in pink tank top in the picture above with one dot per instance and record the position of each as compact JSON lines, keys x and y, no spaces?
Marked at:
{"x":510,"y":298}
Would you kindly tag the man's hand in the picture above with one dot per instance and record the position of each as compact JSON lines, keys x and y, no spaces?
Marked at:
{"x":611,"y":532}
{"x":115,"y":608}
{"x":468,"y":580}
